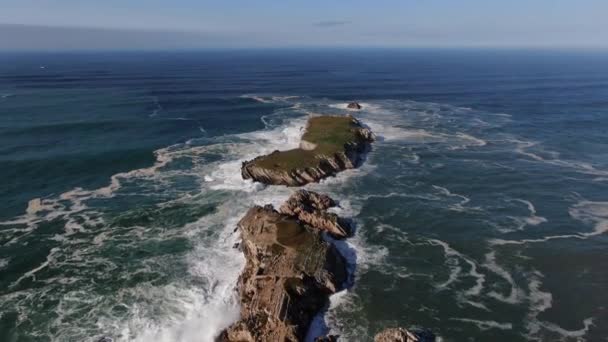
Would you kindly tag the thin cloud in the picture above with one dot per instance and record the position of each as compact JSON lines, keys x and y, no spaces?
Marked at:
{"x":332,"y":23}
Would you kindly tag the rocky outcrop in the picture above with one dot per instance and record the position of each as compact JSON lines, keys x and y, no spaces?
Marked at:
{"x":403,"y":335}
{"x":311,"y":208}
{"x":354,"y":105}
{"x":291,"y":270}
{"x":314,"y":160}
{"x":289,"y":274}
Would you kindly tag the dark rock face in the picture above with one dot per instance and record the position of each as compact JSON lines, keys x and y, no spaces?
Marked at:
{"x":311,"y":208}
{"x":289,"y":274}
{"x":403,"y":335}
{"x":354,"y":105}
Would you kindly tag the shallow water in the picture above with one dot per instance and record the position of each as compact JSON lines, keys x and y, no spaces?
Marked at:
{"x":481,"y":211}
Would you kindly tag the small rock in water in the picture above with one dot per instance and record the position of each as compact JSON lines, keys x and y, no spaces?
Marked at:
{"x":403,"y":335}
{"x":354,"y":105}
{"x":105,"y":339}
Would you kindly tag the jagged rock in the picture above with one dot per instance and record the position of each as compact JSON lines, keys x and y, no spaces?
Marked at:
{"x":403,"y":335}
{"x":311,"y":208}
{"x":328,"y":338}
{"x":329,"y":145}
{"x":289,"y":274}
{"x":354,"y":105}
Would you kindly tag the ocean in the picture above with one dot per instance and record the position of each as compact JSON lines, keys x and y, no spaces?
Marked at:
{"x":481,"y":212}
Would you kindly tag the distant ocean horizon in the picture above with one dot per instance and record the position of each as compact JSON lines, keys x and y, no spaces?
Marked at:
{"x":481,"y":211}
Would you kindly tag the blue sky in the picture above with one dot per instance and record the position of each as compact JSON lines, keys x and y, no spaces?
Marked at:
{"x":65,"y":24}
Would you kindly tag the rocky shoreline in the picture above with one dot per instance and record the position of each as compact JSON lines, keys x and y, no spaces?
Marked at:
{"x":292,"y":267}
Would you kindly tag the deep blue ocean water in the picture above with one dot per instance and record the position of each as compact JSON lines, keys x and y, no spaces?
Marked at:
{"x":482,"y":211}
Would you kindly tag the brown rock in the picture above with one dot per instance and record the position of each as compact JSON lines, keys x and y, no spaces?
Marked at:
{"x":395,"y":335}
{"x":311,"y":208}
{"x":403,"y":335}
{"x":289,"y":274}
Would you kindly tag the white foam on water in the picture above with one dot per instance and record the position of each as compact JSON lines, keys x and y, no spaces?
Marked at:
{"x":394,"y":121}
{"x":269,"y":99}
{"x":468,"y":140}
{"x":516,"y":295}
{"x":540,"y":301}
{"x":454,"y":274}
{"x":521,"y":222}
{"x":425,"y":196}
{"x":522,"y":147}
{"x":485,"y":325}
{"x":50,"y":258}
{"x":533,"y":219}
{"x":578,"y":334}
{"x":190,"y":312}
{"x":70,"y":205}
{"x":387,"y":132}
{"x":257,"y":98}
{"x":4,"y":262}
{"x":595,"y":213}
{"x":228,"y":174}
{"x":451,"y":253}
{"x":157,"y":107}
{"x":460,"y":206}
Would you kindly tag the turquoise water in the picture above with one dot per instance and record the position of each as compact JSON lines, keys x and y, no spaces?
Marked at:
{"x":481,"y":211}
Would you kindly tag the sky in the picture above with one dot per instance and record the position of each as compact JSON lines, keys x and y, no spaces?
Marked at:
{"x":183,"y":24}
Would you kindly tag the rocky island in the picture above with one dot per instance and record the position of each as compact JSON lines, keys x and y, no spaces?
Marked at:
{"x":289,"y":273}
{"x":292,"y":266}
{"x":330,"y":144}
